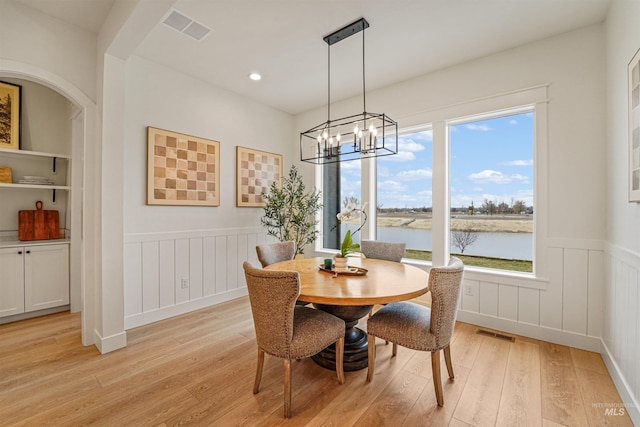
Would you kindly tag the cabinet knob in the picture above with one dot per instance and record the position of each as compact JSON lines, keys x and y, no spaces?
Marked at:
{"x":28,"y":252}
{"x":19,"y":252}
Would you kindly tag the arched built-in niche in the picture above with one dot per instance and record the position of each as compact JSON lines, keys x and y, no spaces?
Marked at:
{"x":81,"y":217}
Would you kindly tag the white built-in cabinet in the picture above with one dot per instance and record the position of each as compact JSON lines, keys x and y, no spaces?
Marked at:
{"x":34,"y":277}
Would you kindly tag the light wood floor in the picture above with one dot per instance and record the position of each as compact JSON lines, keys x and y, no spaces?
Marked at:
{"x":198,"y":369}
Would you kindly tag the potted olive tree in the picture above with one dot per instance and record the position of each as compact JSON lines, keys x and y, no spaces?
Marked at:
{"x":290,"y":211}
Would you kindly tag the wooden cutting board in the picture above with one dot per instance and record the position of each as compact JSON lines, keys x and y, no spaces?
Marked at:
{"x":38,"y":224}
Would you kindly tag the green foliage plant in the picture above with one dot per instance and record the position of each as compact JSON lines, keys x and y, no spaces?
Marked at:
{"x":348,"y":247}
{"x":290,"y":211}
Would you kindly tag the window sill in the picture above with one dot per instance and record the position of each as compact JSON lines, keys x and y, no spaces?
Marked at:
{"x":502,"y":277}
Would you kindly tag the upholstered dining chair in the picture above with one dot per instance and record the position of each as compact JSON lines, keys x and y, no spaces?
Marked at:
{"x":420,"y":328}
{"x":285,"y":330}
{"x":270,"y":253}
{"x":389,"y":251}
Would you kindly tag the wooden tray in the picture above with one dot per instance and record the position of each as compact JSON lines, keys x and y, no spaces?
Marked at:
{"x":350,"y":271}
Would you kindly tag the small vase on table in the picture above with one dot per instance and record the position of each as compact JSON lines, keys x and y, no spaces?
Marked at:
{"x":340,"y":262}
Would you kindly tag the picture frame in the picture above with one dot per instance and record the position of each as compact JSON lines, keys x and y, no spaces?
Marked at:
{"x":182,"y":170}
{"x":634,"y":128}
{"x":10,"y":120}
{"x":255,"y":172}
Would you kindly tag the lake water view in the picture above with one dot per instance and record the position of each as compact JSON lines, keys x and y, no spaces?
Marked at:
{"x":492,"y":244}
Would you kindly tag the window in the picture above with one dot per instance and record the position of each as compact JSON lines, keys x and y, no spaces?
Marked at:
{"x":465,"y":182}
{"x":491,"y":191}
{"x":404,"y":202}
{"x":341,"y":185}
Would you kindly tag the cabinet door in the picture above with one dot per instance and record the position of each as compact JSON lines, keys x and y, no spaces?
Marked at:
{"x":46,"y":277}
{"x":11,"y":281}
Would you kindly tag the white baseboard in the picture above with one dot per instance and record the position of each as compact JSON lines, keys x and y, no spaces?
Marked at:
{"x":632,"y":406}
{"x":110,"y":343}
{"x":555,"y":336}
{"x":145,"y":318}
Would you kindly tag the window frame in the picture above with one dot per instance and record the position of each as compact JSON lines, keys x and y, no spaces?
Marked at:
{"x":534,"y":99}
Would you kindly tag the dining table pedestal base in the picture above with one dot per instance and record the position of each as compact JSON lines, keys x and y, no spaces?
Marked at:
{"x":355,"y":339}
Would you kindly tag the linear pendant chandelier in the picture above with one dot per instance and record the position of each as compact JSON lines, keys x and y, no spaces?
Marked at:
{"x":353,"y":137}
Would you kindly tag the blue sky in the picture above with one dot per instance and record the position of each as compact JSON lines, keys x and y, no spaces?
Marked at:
{"x":490,"y":159}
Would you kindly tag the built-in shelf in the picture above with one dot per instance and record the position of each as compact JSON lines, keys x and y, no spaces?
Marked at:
{"x":35,"y":186}
{"x":6,"y":152}
{"x":32,"y":153}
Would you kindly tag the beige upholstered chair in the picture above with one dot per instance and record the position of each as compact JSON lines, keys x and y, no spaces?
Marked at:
{"x":420,"y":328}
{"x":285,"y":330}
{"x":271,"y":253}
{"x":389,"y":251}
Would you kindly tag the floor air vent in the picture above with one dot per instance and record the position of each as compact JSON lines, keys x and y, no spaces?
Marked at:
{"x":495,"y":335}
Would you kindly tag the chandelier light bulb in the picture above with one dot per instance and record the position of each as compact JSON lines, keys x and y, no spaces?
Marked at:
{"x":319,"y":138}
{"x":338,"y":137}
{"x":355,"y":129}
{"x":325,"y":134}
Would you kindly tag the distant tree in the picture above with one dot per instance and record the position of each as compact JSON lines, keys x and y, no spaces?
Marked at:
{"x":472,"y":209}
{"x":518,"y":206}
{"x":503,"y":208}
{"x":489,"y":207}
{"x":463,"y":238}
{"x":350,"y":200}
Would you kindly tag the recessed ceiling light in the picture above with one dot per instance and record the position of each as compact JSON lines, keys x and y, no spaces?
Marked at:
{"x":255,"y":76}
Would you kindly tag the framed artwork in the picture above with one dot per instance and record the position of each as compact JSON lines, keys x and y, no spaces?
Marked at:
{"x":182,"y":170}
{"x":10,"y":99}
{"x":634,"y":128}
{"x":255,"y":172}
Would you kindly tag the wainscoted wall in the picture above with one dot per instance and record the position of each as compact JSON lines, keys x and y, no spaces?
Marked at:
{"x":567,"y":309}
{"x":621,"y":325}
{"x":211,"y":261}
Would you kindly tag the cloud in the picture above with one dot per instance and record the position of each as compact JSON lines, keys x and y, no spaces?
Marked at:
{"x":390,"y":186}
{"x":518,"y":163}
{"x":513,"y":122}
{"x":496,"y":177}
{"x":481,"y":128}
{"x":410,"y":145}
{"x":402,"y":156}
{"x":415,"y":174}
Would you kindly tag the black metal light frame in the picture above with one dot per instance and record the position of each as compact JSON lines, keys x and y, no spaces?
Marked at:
{"x":358,"y":136}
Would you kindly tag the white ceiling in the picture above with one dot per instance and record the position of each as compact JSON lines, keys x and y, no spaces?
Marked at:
{"x":282,"y":39}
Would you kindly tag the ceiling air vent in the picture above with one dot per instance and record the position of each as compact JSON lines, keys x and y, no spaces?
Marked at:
{"x":186,"y":25}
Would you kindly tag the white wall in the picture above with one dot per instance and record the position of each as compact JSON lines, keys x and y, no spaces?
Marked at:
{"x":207,"y":245}
{"x":621,"y":333}
{"x":31,"y":37}
{"x":566,"y":306}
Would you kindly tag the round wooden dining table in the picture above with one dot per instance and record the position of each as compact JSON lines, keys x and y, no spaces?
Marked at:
{"x":351,"y":296}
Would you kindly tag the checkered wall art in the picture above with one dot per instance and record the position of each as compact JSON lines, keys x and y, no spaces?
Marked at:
{"x":182,"y":170}
{"x":255,"y":172}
